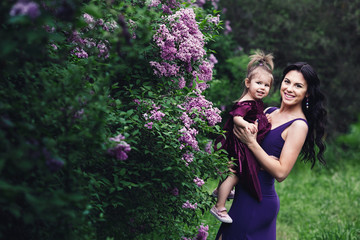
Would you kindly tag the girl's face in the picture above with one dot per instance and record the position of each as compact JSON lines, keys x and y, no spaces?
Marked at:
{"x":259,"y":86}
{"x":293,"y":88}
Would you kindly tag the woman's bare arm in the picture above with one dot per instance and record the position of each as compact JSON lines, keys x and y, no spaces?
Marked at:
{"x":294,"y":141}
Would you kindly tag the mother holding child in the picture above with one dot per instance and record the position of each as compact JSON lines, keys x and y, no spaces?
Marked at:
{"x":296,"y":127}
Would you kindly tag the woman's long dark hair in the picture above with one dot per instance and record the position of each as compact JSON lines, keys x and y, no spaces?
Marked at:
{"x":315,"y":113}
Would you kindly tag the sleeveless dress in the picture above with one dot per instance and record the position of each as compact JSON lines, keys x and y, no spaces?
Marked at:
{"x":247,"y":166}
{"x":254,"y":220}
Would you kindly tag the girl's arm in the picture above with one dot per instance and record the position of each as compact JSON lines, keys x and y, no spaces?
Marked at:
{"x":240,"y":122}
{"x":294,"y":141}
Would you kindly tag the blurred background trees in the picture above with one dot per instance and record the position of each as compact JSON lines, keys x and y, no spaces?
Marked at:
{"x":326,"y":34}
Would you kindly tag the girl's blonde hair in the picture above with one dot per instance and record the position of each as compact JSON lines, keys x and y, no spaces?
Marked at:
{"x":259,"y":60}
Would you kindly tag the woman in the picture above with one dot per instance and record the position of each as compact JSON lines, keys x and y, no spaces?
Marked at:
{"x":297,"y":126}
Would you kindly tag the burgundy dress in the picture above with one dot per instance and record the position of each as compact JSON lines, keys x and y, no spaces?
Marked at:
{"x":248,"y":167}
{"x":254,"y":220}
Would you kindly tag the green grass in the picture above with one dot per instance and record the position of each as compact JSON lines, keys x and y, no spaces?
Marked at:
{"x":320,"y":204}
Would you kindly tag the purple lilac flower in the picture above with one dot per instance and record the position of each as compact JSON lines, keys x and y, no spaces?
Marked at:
{"x":182,"y":82}
{"x":89,"y":42}
{"x":79,"y":114}
{"x":154,"y":3}
{"x":187,"y":121}
{"x":188,"y":157}
{"x":165,"y":69}
{"x":188,"y":138}
{"x":121,"y":150}
{"x":49,"y":29}
{"x":118,"y":138}
{"x":200,"y":3}
{"x":30,"y":9}
{"x":185,"y":238}
{"x":199,"y":182}
{"x":213,"y":59}
{"x":228,"y":28}
{"x":215,"y":3}
{"x":204,"y":74}
{"x":88,"y":18}
{"x":80,"y":53}
{"x":175,"y":191}
{"x":149,"y":125}
{"x":156,"y":115}
{"x":110,"y":26}
{"x":54,"y":46}
{"x":214,"y":20}
{"x":187,"y":204}
{"x":103,"y":50}
{"x":208,"y":147}
{"x":203,"y":232}
{"x":181,"y":31}
{"x":202,"y":107}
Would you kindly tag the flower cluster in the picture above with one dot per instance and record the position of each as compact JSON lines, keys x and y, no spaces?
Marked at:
{"x":181,"y":44}
{"x":188,"y":138}
{"x":166,"y":5}
{"x":154,"y":114}
{"x":203,"y":232}
{"x":228,"y":28}
{"x":175,"y":191}
{"x":188,"y":157}
{"x":121,"y":150}
{"x":187,"y":204}
{"x":199,"y":106}
{"x":27,"y":8}
{"x":208,"y":147}
{"x":199,"y":182}
{"x":102,"y":47}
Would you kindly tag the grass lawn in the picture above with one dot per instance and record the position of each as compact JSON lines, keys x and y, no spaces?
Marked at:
{"x":323,"y":203}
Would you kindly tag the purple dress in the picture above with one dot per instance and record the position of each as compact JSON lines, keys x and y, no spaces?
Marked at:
{"x":248,"y":167}
{"x":254,"y":220}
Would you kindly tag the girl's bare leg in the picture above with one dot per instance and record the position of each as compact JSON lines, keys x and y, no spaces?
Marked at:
{"x":224,"y":190}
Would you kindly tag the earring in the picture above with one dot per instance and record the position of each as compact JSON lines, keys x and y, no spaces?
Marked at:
{"x":307,"y":103}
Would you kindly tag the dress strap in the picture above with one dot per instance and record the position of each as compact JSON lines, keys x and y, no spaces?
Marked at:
{"x":270,"y":110}
{"x":285,"y":125}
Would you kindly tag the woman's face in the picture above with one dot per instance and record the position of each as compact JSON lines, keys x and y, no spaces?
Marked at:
{"x":293,"y":88}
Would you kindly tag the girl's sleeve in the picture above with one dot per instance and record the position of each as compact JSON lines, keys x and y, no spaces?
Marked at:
{"x":241,"y":109}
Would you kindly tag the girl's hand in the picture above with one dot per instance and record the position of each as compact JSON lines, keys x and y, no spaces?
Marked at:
{"x":244,"y":135}
{"x":268,"y":117}
{"x":252,"y":128}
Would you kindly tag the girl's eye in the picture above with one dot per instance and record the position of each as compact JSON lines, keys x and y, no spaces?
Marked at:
{"x":298,"y":85}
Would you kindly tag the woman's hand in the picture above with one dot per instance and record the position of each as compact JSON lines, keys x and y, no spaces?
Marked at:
{"x":244,"y":135}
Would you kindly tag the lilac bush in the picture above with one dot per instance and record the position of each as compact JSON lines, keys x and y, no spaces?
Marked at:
{"x":122,"y":115}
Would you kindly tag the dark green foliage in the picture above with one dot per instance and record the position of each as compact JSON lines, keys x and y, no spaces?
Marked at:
{"x":58,"y":111}
{"x":323,"y":33}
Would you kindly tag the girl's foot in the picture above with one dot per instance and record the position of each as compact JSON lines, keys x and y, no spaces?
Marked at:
{"x":221,"y":214}
{"x":231,"y":195}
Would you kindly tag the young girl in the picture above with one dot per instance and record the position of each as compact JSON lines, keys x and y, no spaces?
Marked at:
{"x":246,"y":110}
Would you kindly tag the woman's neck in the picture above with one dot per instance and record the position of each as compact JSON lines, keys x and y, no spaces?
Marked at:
{"x":292,"y":110}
